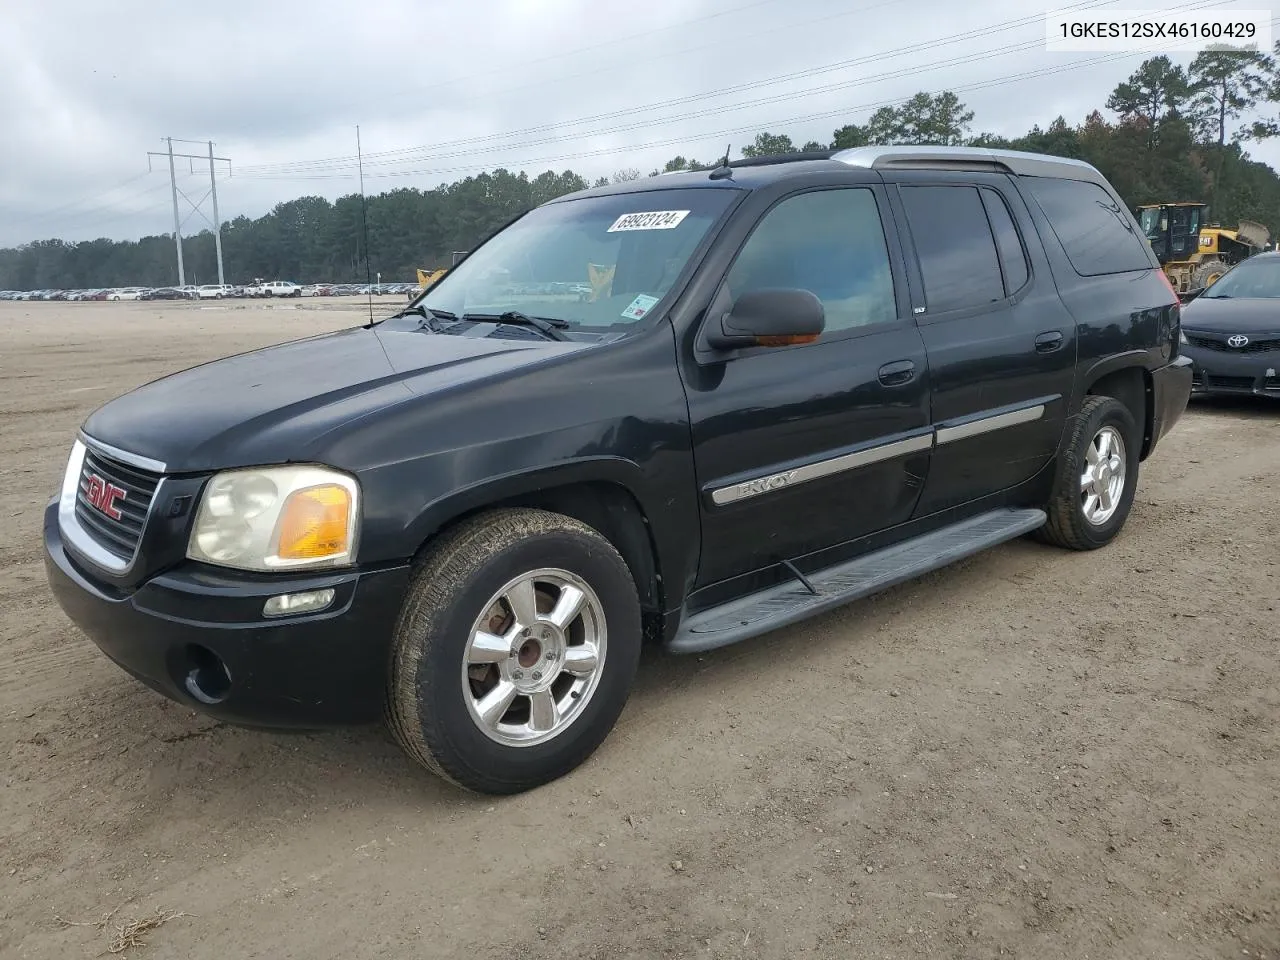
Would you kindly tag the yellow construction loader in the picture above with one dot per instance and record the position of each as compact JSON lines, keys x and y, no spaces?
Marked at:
{"x":427,"y":277}
{"x":1195,"y":254}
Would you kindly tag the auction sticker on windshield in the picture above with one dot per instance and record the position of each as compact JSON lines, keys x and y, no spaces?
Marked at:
{"x":639,"y":307}
{"x":654,"y":220}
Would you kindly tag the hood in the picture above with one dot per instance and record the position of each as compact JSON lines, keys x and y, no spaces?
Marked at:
{"x":276,"y":404}
{"x":1229,"y":315}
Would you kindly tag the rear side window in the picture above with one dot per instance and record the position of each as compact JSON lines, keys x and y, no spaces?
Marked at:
{"x":1096,"y":234}
{"x":1013,"y":256}
{"x":954,"y":244}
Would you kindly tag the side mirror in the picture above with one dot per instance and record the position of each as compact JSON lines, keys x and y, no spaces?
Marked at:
{"x":775,"y":317}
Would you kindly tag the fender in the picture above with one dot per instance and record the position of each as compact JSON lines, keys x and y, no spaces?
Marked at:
{"x":1140,"y":360}
{"x":671,"y":522}
{"x":1119,"y":361}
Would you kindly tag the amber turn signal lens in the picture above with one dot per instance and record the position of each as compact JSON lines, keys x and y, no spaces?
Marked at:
{"x":314,"y":523}
{"x":786,"y":341}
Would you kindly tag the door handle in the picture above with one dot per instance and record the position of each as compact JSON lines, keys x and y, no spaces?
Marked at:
{"x":1049,"y":342}
{"x":898,"y":372}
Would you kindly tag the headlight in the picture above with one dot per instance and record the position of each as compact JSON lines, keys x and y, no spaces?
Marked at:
{"x":277,"y":518}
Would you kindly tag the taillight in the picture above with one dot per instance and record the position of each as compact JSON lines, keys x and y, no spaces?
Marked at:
{"x":1169,"y":284}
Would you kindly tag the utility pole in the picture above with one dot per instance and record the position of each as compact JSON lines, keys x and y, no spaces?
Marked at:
{"x":216,"y":223}
{"x":177,"y":226}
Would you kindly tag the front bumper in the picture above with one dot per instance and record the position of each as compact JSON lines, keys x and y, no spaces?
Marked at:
{"x":1241,"y":374}
{"x":197,"y":635}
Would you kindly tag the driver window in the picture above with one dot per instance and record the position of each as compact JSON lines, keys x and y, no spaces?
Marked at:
{"x":829,"y":242}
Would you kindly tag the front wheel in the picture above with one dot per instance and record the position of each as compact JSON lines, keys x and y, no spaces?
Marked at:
{"x":514,"y":652}
{"x":1097,"y":477}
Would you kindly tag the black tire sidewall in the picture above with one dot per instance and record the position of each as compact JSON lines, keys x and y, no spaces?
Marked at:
{"x":1114,"y":414}
{"x":446,"y":722}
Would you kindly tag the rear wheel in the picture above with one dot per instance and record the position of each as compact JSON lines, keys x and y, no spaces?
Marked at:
{"x":515,"y":651}
{"x":1097,"y":477}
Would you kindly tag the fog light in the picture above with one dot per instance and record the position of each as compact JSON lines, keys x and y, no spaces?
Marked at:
{"x":306,"y":602}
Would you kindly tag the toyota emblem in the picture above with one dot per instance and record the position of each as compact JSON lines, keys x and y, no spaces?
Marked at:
{"x":1238,"y":341}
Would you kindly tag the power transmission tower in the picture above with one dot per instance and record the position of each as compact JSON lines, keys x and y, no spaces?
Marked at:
{"x":195,"y":204}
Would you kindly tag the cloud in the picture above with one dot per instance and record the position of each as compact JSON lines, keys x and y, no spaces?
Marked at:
{"x":445,"y":90}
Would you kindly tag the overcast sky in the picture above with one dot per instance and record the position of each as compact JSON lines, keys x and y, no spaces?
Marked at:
{"x":444,"y":90}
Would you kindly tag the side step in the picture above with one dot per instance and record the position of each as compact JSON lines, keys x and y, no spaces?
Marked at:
{"x":789,"y":603}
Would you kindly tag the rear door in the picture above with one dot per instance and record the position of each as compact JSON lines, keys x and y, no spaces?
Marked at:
{"x":1001,"y":346}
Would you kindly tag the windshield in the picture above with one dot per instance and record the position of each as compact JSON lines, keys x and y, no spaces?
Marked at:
{"x":1257,"y":280}
{"x":597,"y":264}
{"x":1151,"y":222}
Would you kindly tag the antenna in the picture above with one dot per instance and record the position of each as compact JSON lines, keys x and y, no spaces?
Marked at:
{"x":364,"y":219}
{"x":723,"y":170}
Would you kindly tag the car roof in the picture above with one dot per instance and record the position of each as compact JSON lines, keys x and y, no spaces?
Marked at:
{"x":755,"y":172}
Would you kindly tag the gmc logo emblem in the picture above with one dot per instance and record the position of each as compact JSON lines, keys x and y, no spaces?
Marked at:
{"x":102,"y":496}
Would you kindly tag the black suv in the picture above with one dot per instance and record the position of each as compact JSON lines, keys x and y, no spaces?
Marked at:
{"x":688,"y":409}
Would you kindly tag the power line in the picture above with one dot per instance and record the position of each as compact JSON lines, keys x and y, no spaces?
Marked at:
{"x":893,"y":53}
{"x":52,"y":214}
{"x":526,"y":64}
{"x":756,"y":126}
{"x":708,"y":112}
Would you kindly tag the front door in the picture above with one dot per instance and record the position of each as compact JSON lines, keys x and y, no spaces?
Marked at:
{"x":1001,"y":346}
{"x":802,"y":447}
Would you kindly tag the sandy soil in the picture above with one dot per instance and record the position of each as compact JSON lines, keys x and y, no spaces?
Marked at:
{"x":1032,"y":754}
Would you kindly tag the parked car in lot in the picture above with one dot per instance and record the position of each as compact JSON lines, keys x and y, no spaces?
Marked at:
{"x":128,"y":293}
{"x":796,"y":382}
{"x":281,"y":288}
{"x":165,"y":293}
{"x":1231,"y":331}
{"x":213,"y":291}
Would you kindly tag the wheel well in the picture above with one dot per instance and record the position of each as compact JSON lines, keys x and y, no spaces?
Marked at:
{"x":1131,"y":386}
{"x":608,"y":508}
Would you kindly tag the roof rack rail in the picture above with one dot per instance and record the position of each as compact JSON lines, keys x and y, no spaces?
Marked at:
{"x":1016,"y":162}
{"x":782,"y":158}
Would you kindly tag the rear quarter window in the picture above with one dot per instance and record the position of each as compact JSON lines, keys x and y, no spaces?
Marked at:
{"x":1098,"y":237}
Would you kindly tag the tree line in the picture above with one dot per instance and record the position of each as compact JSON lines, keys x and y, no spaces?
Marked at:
{"x":1169,"y":134}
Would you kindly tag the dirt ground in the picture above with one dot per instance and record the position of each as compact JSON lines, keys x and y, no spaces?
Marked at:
{"x":1032,"y":754}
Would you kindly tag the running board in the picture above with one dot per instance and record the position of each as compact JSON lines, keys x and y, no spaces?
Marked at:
{"x":791,"y":602}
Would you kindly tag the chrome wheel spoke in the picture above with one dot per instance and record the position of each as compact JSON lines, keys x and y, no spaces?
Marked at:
{"x":486,"y":648}
{"x":523,"y":601}
{"x":581,"y":660}
{"x":567,"y":607}
{"x":544,"y":712}
{"x":496,"y":702}
{"x":1103,"y":482}
{"x":1091,"y":506}
{"x":551,"y":660}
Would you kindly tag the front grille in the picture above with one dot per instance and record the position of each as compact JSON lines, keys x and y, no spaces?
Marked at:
{"x":1229,"y":383}
{"x":118,"y":536}
{"x":1253,"y":346}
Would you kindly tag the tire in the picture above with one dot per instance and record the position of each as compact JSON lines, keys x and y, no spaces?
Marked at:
{"x":1069,"y":524}
{"x":432,"y":695}
{"x":1207,"y":273}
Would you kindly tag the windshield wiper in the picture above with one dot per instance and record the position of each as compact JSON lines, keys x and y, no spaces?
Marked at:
{"x":547,"y":325}
{"x":428,"y":314}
